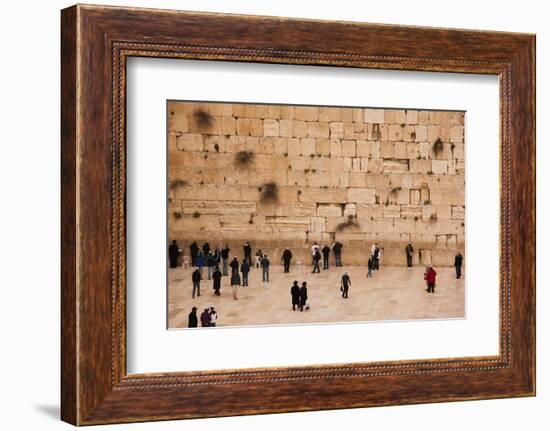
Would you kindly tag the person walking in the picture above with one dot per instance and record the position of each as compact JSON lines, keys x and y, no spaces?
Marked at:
{"x":205,"y":318}
{"x":217,"y":284}
{"x":196,"y":277}
{"x":264,"y":263}
{"x":225,"y":258}
{"x":193,"y":320}
{"x":314,"y":249}
{"x":409,"y":251}
{"x":295,"y":295}
{"x":213,"y":317}
{"x":458,"y":264}
{"x":235,"y":283}
{"x":194,"y":250}
{"x":316,"y":260}
{"x":369,"y":266}
{"x":211,"y":264}
{"x":248,"y":252}
{"x":303,"y":296}
{"x":245,"y":269}
{"x":287,"y":257}
{"x":345,"y":285}
{"x":337,"y":249}
{"x":234,"y":265}
{"x":173,"y":253}
{"x":429,"y":276}
{"x":200,"y":261}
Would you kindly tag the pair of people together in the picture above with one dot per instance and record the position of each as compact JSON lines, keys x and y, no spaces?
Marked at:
{"x":298,"y":295}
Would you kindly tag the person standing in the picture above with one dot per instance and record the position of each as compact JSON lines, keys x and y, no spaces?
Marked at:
{"x":225,"y":258}
{"x":205,"y":318}
{"x":337,"y":249}
{"x":200,"y":261}
{"x":314,"y":249}
{"x":217,"y":284}
{"x":245,"y":269}
{"x":409,"y":251}
{"x":458,"y":264}
{"x":196,"y":277}
{"x":217,"y":255}
{"x":258,"y":257}
{"x":235,"y":283}
{"x":287,"y":257}
{"x":213,"y":317}
{"x":295,"y":295}
{"x":194,"y":250}
{"x":206,"y":248}
{"x":429,"y":276}
{"x":316,"y":260}
{"x":369,"y":266}
{"x":193,"y":321}
{"x":326,"y":254}
{"x":173,"y":253}
{"x":303,"y":295}
{"x":248,"y":252}
{"x":210,"y":263}
{"x":376,"y":254}
{"x":234,"y":265}
{"x":264,"y":263}
{"x":345,"y":284}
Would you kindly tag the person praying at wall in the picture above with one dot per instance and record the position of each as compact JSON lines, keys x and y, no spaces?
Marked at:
{"x":314,"y":249}
{"x":245,"y":269}
{"x":225,"y":258}
{"x":409,"y":251}
{"x":316,"y":260}
{"x":287,"y":257}
{"x":326,"y":254}
{"x":194,"y":250}
{"x":173,"y":253}
{"x":247,"y":249}
{"x":337,"y":249}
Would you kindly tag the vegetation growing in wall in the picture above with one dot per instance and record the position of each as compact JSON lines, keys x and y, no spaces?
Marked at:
{"x":437,"y":147}
{"x":177,"y":215}
{"x":177,"y":183}
{"x":350,"y":223}
{"x":203,"y":118}
{"x":269,"y":193}
{"x":244,"y":159}
{"x":196,"y":214}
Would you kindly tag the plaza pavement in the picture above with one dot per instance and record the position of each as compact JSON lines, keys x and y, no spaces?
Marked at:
{"x":393,"y":293}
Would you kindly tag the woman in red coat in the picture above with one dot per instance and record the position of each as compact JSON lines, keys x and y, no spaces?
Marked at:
{"x":429,"y":276}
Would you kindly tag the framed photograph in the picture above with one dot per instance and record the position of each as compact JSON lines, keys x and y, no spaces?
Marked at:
{"x":325,"y":215}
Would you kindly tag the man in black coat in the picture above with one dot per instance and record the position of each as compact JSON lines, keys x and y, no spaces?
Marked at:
{"x":409,"y":250}
{"x":287,"y":257}
{"x":194,"y":249}
{"x":337,"y":249}
{"x":303,"y":295}
{"x":248,"y":253}
{"x":458,"y":264}
{"x":346,"y":283}
{"x":295,"y":294}
{"x":206,"y":248}
{"x":196,"y":277}
{"x":316,"y":260}
{"x":217,"y":277}
{"x":225,"y":257}
{"x":173,"y":253}
{"x":193,"y":320}
{"x":234,"y":265}
{"x":326,"y":254}
{"x":245,"y":269}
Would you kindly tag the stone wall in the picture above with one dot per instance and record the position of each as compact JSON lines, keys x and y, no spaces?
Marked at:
{"x":352,"y":174}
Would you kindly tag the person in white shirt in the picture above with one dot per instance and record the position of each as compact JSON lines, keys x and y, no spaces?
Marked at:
{"x":314,"y":249}
{"x":213,"y":316}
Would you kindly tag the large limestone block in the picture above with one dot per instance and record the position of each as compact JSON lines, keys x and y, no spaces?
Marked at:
{"x":395,"y":132}
{"x":350,"y":210}
{"x":303,"y":209}
{"x":457,"y":212}
{"x":280,"y":145}
{"x":376,"y":166}
{"x":457,"y":134}
{"x":271,"y":127}
{"x":287,"y":112}
{"x":421,"y":133}
{"x":400,"y":116}
{"x":285,"y":128}
{"x":429,"y":213}
{"x":411,"y":212}
{"x":441,"y":132}
{"x":178,"y":123}
{"x":420,"y":166}
{"x":360,"y":131}
{"x":336,"y":130}
{"x":249,"y":127}
{"x":361,"y":195}
{"x":387,"y":150}
{"x":358,"y":179}
{"x":274,"y":111}
{"x":391,"y":211}
{"x":363,"y":148}
{"x":329,"y":210}
{"x":287,"y":224}
{"x":299,"y":129}
{"x":319,"y":195}
{"x":306,"y":113}
{"x":322,"y":147}
{"x":389,"y":116}
{"x":335,"y":147}
{"x":443,"y":212}
{"x":348,"y":148}
{"x":318,"y":224}
{"x":307,"y":146}
{"x":374,"y":116}
{"x":256,"y":111}
{"x":191,"y":142}
{"x":330,"y":114}
{"x":424,"y":117}
{"x":400,"y":150}
{"x":396,"y":165}
{"x":411,"y":117}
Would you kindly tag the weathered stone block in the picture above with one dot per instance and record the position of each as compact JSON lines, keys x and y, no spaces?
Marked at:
{"x":387,"y":150}
{"x":307,"y":146}
{"x":396,"y":165}
{"x":190,"y":142}
{"x":357,"y":179}
{"x":306,"y":113}
{"x":395,"y":133}
{"x":457,"y":212}
{"x":391,"y":211}
{"x":329,"y":210}
{"x":361,"y":195}
{"x":421,"y":133}
{"x":287,"y":112}
{"x":318,"y":224}
{"x":457,"y":134}
{"x":400,"y":116}
{"x":348,"y":148}
{"x":318,"y":130}
{"x":411,"y":117}
{"x":299,"y":129}
{"x":329,"y":114}
{"x":374,"y":116}
{"x":411,"y":211}
{"x":439,"y":166}
{"x":350,"y":210}
{"x":335,"y":148}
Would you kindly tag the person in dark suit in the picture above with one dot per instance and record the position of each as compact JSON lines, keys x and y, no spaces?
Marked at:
{"x":316,"y":260}
{"x":295,"y":295}
{"x":337,"y":249}
{"x":245,"y":269}
{"x":206,"y":248}
{"x":196,"y":277}
{"x":303,"y":295}
{"x":409,"y":251}
{"x":194,"y":249}
{"x":345,"y":285}
{"x":326,"y":254}
{"x":248,"y":253}
{"x":217,"y":284}
{"x":193,"y":320}
{"x":173,"y":253}
{"x":234,"y":265}
{"x":458,"y":264}
{"x":287,"y":257}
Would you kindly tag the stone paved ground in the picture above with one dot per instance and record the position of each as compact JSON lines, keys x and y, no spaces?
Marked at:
{"x":394,"y":293}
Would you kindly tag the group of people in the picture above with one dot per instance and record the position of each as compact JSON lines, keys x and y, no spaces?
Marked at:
{"x":208,"y":318}
{"x":318,"y":253}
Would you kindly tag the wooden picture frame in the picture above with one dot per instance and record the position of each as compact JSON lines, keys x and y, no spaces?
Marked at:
{"x":95,"y":43}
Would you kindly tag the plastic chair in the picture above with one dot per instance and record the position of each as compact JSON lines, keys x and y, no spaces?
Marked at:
{"x":185,"y":262}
